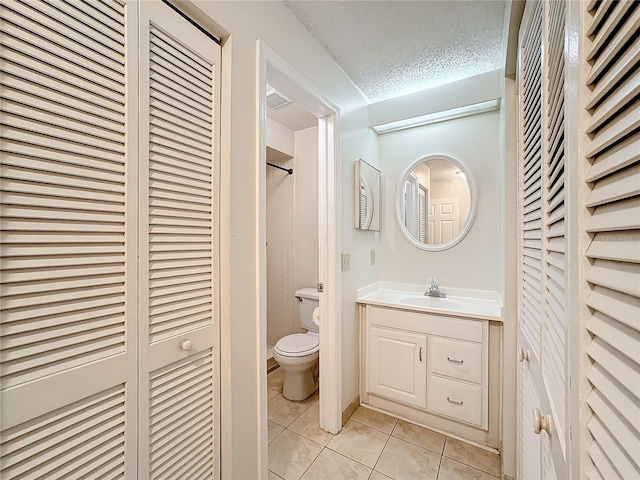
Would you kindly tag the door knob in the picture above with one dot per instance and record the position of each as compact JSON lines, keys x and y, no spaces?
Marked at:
{"x":541,"y":422}
{"x":523,"y":355}
{"x":186,"y":345}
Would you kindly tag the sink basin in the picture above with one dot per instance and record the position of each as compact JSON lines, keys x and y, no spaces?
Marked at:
{"x":478,"y":304}
{"x":431,"y":302}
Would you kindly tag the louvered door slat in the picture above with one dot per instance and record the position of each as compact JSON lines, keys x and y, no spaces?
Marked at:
{"x":613,"y":18}
{"x":615,"y":43}
{"x":621,"y":215}
{"x":614,"y":277}
{"x":16,"y":50}
{"x":618,"y":432}
{"x":106,"y":11}
{"x":65,"y":51}
{"x":614,"y":74}
{"x":623,"y":184}
{"x":618,"y":246}
{"x":599,"y":14}
{"x":620,"y":276}
{"x":23,"y":103}
{"x":627,"y":91}
{"x":620,"y":156}
{"x":616,"y":130}
{"x":69,"y":36}
{"x":603,"y":381}
{"x":40,"y":447}
{"x":16,"y":86}
{"x":64,"y":9}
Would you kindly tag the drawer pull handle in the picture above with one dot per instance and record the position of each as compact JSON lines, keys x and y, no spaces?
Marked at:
{"x":457,"y":362}
{"x":420,"y":353}
{"x":454,"y":401}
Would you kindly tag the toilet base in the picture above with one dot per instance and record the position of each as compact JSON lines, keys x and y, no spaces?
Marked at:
{"x":299,"y":383}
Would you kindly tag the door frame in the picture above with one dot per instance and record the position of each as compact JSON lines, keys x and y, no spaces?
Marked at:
{"x":272,"y":69}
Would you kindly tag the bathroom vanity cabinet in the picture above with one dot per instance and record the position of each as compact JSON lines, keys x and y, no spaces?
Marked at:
{"x":432,"y":368}
{"x":435,"y":363}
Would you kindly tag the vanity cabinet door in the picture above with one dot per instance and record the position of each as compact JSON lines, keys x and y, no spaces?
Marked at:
{"x":397,"y":365}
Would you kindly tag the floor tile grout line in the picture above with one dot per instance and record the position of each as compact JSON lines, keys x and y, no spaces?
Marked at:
{"x":439,"y":465}
{"x":469,"y":465}
{"x":370,"y":426}
{"x":347,"y":456}
{"x":381,"y":452}
{"x":419,"y":445}
{"x":312,"y":461}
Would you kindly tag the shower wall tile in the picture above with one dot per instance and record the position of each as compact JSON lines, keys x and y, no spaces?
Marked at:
{"x":279,"y":209}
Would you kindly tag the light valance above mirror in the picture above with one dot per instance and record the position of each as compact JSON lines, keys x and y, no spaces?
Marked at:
{"x":367,"y":196}
{"x":436,"y":202}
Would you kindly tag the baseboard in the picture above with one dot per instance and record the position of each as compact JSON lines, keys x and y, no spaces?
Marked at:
{"x":353,"y":406}
{"x":271,"y":365}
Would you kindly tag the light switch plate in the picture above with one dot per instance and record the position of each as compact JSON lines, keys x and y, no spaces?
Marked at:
{"x":346,"y":261}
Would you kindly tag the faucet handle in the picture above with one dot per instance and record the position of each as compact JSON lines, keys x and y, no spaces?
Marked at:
{"x":434,"y":281}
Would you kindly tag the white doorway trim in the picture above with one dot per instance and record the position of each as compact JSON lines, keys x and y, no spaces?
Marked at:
{"x":272,"y":69}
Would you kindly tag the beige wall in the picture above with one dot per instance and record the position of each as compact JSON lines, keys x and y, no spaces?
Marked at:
{"x":474,"y":262}
{"x":305,"y":248}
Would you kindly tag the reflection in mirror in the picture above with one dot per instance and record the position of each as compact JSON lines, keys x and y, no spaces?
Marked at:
{"x":436,"y":203}
{"x":367,"y":196}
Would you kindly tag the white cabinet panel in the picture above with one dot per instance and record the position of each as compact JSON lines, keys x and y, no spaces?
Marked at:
{"x":397,"y":365}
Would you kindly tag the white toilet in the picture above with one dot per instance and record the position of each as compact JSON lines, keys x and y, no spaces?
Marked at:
{"x":297,"y":354}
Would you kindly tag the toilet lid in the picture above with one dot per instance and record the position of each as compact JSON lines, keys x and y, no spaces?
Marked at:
{"x":297,"y":345}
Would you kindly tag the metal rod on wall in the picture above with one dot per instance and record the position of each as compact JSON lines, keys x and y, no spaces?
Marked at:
{"x":288,"y":170}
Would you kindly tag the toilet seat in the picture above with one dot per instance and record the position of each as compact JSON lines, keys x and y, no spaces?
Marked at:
{"x":297,"y":345}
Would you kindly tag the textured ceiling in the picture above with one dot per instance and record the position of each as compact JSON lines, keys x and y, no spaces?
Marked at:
{"x":390,"y":49}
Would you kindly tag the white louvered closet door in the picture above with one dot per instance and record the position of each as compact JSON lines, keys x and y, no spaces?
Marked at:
{"x":179,"y":299}
{"x":542,"y":383}
{"x":612,"y":62}
{"x":530,"y":238}
{"x":68,"y":256}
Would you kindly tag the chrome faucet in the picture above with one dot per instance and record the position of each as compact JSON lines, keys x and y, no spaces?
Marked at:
{"x":434,"y":290}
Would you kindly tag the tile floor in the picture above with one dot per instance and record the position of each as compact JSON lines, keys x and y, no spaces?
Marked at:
{"x":371,"y":446}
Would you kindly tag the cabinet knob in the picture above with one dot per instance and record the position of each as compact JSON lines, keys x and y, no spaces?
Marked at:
{"x":186,"y":345}
{"x":523,"y":355}
{"x":541,"y":422}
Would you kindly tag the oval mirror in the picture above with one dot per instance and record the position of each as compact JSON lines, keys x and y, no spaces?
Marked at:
{"x":436,"y":202}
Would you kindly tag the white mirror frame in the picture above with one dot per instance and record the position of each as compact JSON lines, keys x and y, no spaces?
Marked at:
{"x":472,"y":211}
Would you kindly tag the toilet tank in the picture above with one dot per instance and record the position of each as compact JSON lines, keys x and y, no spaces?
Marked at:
{"x":307,"y":300}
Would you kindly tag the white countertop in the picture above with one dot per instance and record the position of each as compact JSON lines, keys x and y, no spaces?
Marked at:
{"x":480,"y":304}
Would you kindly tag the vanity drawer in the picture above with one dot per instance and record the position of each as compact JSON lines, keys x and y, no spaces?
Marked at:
{"x":461,"y":401}
{"x":430,"y":324}
{"x":456,"y":359}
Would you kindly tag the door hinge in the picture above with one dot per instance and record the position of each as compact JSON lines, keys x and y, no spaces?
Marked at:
{"x":570,"y":432}
{"x":320,"y":287}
